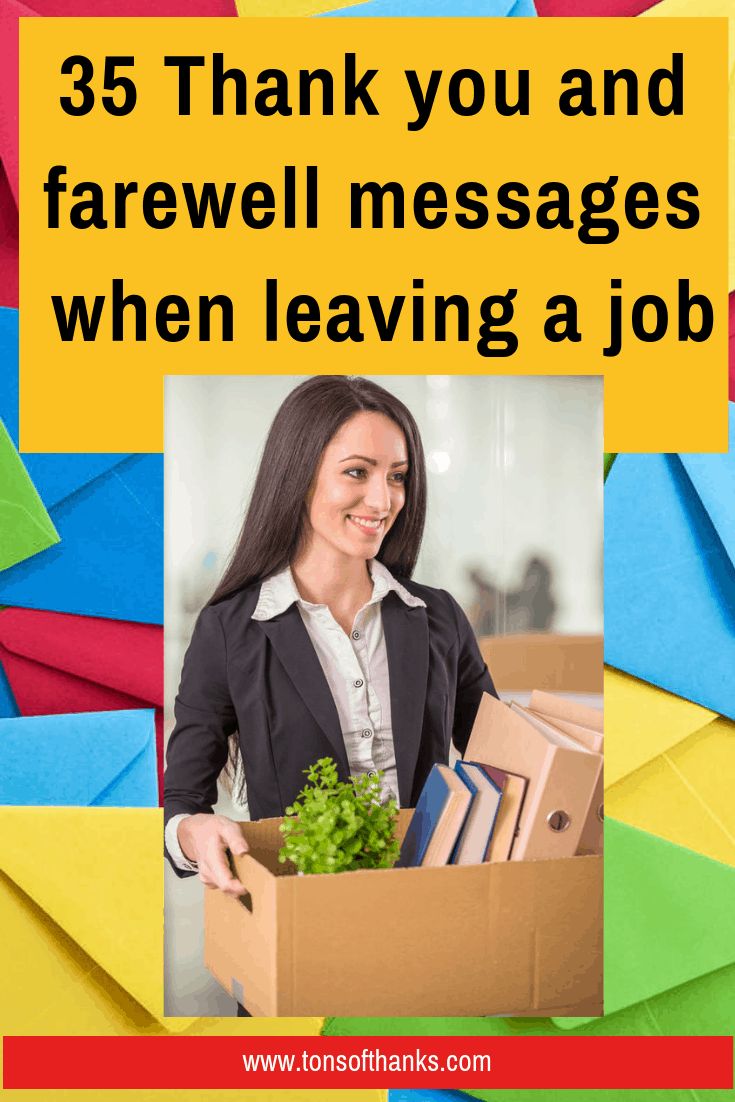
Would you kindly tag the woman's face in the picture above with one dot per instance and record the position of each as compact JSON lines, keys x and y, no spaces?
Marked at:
{"x":359,"y":488}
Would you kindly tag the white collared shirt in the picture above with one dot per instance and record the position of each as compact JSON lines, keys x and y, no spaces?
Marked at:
{"x":356,"y":670}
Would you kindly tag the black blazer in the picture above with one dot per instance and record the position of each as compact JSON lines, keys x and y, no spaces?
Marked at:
{"x":263,"y":679}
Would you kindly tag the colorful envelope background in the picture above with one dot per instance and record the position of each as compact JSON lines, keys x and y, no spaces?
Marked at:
{"x":508,"y":8}
{"x":670,"y":573}
{"x":79,"y":533}
{"x":81,"y":910}
{"x":671,"y":767}
{"x":8,"y":706}
{"x":731,"y":345}
{"x":108,"y":561}
{"x":90,"y":960}
{"x":92,"y":759}
{"x":108,"y":512}
{"x":8,"y":244}
{"x":25,"y":527}
{"x":56,"y":663}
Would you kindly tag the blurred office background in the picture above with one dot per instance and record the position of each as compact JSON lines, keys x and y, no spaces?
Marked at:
{"x":514,"y":532}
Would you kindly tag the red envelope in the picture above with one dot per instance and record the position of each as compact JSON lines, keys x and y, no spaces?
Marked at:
{"x":10,"y":11}
{"x":57,"y":663}
{"x":8,"y":244}
{"x":593,"y":7}
{"x":732,"y":347}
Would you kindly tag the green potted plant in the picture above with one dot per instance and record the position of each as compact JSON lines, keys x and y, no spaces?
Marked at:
{"x":339,"y":826}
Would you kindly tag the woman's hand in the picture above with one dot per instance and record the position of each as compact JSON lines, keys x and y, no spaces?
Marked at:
{"x":206,"y":839}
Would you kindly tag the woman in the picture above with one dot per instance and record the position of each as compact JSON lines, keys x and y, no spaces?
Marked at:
{"x":316,"y":641}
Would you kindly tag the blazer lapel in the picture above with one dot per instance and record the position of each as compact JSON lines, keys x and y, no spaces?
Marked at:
{"x":406,"y":633}
{"x":290,"y":640}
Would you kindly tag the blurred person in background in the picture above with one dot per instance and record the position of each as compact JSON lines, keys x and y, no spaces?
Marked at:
{"x":531,"y":607}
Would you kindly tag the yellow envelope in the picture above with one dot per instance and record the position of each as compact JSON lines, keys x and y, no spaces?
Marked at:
{"x":81,"y":914}
{"x":669,"y":767}
{"x":643,"y":721}
{"x":685,"y":795}
{"x":81,"y":951}
{"x":726,"y":9}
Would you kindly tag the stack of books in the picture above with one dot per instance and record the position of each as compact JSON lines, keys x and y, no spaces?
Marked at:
{"x":530,"y":788}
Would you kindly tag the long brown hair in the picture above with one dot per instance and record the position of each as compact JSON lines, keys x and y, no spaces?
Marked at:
{"x":303,"y":426}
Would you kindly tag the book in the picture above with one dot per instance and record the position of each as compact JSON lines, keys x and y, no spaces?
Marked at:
{"x":562,"y":775}
{"x":585,"y":724}
{"x":513,"y":787}
{"x":478,"y":827}
{"x":590,"y":836}
{"x":437,"y":821}
{"x":561,"y":707}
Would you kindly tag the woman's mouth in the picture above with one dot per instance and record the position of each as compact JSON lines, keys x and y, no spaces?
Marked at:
{"x":367,"y":524}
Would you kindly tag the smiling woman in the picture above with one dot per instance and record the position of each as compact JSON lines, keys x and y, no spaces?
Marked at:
{"x":351,"y":508}
{"x":317,"y":642}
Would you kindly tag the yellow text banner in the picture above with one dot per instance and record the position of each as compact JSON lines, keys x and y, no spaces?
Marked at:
{"x":372,"y":195}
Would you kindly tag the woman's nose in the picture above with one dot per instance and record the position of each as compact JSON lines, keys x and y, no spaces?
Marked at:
{"x":377,"y":494}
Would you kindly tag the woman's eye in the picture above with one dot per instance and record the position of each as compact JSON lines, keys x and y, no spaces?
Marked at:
{"x":396,"y":477}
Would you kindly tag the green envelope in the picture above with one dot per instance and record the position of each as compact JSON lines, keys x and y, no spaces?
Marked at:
{"x":25,"y":526}
{"x":609,"y":459}
{"x":669,"y":960}
{"x":669,"y":917}
{"x":703,"y":1007}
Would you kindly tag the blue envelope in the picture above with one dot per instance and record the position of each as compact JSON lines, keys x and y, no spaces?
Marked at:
{"x":108,"y":510}
{"x":465,"y":8}
{"x":670,"y":572}
{"x":93,"y":759}
{"x":8,"y":707}
{"x":403,"y":1095}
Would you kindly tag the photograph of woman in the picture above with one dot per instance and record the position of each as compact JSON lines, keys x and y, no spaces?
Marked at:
{"x":352,"y":565}
{"x":317,"y":641}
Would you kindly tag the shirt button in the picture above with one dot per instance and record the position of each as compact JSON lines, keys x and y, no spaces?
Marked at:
{"x":358,"y":684}
{"x":367,"y":733}
{"x":356,"y":635}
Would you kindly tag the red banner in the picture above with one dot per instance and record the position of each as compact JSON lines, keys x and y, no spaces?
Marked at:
{"x":203,"y":1063}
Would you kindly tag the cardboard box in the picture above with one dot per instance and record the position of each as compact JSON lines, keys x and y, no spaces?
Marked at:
{"x":512,"y":938}
{"x":558,"y":663}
